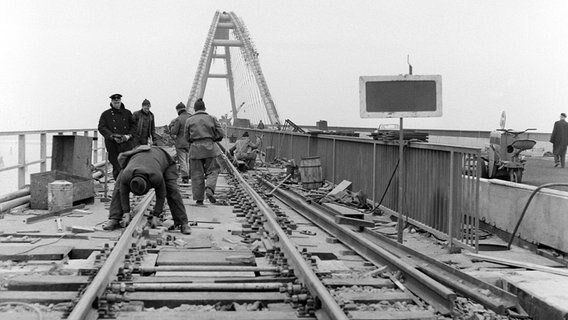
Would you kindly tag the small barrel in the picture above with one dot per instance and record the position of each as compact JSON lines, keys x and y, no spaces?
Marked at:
{"x":311,"y":173}
{"x":59,"y":195}
{"x":270,"y":154}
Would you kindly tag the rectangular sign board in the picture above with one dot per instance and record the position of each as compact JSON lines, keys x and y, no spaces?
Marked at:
{"x":404,"y":96}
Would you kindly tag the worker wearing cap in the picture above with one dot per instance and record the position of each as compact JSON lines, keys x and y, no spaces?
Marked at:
{"x":118,"y":128}
{"x":143,"y":168}
{"x":182,"y":145}
{"x":145,"y":126}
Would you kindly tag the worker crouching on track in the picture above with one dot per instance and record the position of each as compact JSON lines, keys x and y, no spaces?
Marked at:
{"x":245,"y":150}
{"x":143,"y":168}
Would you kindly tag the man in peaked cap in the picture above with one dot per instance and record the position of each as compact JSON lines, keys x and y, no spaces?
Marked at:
{"x":182,"y":146}
{"x":145,"y":126}
{"x":118,"y":128}
{"x":143,"y":168}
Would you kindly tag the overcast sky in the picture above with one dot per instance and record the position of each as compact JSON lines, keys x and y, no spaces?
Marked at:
{"x":60,"y":60}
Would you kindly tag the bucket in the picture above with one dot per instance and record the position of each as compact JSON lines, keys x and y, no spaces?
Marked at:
{"x":270,"y":155}
{"x":311,"y":173}
{"x":59,"y":195}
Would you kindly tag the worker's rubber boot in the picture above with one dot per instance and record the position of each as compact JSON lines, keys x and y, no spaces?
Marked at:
{"x":185,"y":228}
{"x":111,"y":224}
{"x":125,"y":220}
{"x":210,"y":196}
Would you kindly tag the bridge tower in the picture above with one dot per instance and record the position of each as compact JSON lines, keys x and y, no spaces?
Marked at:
{"x":228,"y":32}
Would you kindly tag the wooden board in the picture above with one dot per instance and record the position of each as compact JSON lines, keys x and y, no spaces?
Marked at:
{"x":37,"y":297}
{"x":205,"y":257}
{"x":376,"y":297}
{"x":222,"y":315}
{"x":340,"y":187}
{"x":27,"y":315}
{"x":388,"y":315}
{"x":23,"y":253}
{"x":47,"y":282}
{"x":209,"y":279}
{"x":371,"y":282}
{"x":175,"y":299}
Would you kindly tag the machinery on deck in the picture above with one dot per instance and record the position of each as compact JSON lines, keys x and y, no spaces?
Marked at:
{"x":504,"y":158}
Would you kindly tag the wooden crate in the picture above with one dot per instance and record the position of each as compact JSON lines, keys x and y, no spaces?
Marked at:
{"x":72,"y":154}
{"x":83,"y":188}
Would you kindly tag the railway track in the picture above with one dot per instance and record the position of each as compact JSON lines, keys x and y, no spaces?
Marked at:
{"x":268,"y":254}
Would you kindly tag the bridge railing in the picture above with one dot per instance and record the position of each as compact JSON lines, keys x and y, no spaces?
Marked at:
{"x":26,"y":152}
{"x":441,"y":183}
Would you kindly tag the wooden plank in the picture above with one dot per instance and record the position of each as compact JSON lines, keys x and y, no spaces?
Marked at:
{"x":58,"y":213}
{"x":175,"y":299}
{"x":370,"y":282}
{"x":340,"y":187}
{"x":221,"y":315}
{"x":22,"y":253}
{"x":47,"y":282}
{"x":526,"y":265}
{"x":390,"y":315}
{"x":37,"y":297}
{"x":376,"y":297}
{"x":205,"y":257}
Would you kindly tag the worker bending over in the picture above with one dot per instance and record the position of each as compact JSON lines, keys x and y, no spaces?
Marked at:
{"x":245,"y":150}
{"x":143,"y":168}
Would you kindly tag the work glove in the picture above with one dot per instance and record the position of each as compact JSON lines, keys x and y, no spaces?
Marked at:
{"x":126,"y":217}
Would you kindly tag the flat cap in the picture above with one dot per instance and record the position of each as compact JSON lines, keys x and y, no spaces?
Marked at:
{"x":116,"y":96}
{"x":146,"y":102}
{"x":180,"y":106}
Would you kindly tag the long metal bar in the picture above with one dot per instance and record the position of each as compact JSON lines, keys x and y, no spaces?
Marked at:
{"x":439,"y":296}
{"x":301,"y":267}
{"x":208,"y":268}
{"x":262,"y":286}
{"x":108,"y":270}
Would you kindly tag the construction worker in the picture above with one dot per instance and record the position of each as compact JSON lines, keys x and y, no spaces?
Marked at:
{"x":245,"y":150}
{"x":143,"y":168}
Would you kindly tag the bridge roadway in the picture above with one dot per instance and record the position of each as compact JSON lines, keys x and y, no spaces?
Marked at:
{"x":543,"y":292}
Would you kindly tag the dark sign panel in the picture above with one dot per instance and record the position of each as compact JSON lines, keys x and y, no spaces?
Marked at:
{"x":401,"y":96}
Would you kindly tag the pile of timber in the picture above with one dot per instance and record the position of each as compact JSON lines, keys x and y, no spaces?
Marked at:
{"x":393,"y":135}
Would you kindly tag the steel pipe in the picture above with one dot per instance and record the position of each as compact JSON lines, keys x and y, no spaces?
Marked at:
{"x":16,"y":194}
{"x":7,"y":205}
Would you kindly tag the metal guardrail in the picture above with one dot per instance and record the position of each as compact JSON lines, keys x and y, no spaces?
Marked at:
{"x":24,"y":162}
{"x":441,"y":182}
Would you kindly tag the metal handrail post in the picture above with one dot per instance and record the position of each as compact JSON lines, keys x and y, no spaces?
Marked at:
{"x":21,"y":160}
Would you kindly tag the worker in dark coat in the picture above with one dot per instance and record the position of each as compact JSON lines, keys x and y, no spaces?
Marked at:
{"x":145,"y":126}
{"x":182,"y":145}
{"x":245,"y":150}
{"x":143,"y":168}
{"x":202,"y":131}
{"x":118,"y":128}
{"x":559,"y":139}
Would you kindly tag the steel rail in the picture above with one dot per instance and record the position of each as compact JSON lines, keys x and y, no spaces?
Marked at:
{"x":301,"y":268}
{"x":436,"y":294}
{"x":109,"y":269}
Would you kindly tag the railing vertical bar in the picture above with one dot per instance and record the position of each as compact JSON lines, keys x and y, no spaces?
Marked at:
{"x":451,"y":204}
{"x":43,"y":152}
{"x":374,"y":172}
{"x":21,"y":160}
{"x":96,"y":147}
{"x":333,"y":165}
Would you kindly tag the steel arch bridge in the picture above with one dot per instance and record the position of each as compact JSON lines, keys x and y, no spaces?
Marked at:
{"x":229,"y":40}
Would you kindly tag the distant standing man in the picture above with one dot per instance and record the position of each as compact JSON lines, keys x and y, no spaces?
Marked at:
{"x":145,"y":126}
{"x":559,"y":139}
{"x":147,"y":167}
{"x":118,"y":128}
{"x":182,"y":145}
{"x":202,"y":131}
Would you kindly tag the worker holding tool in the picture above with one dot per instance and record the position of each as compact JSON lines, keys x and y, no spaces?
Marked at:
{"x":143,"y":168}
